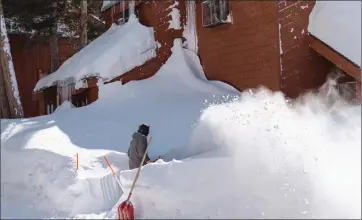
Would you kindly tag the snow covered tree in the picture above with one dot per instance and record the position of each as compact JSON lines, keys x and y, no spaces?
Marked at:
{"x":9,"y":94}
{"x":37,"y":18}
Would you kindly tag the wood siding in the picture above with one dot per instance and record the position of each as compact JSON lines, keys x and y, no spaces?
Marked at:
{"x":243,"y":54}
{"x":266,"y":44}
{"x":155,"y":14}
{"x":301,"y":67}
{"x":27,"y":59}
{"x":336,"y":58}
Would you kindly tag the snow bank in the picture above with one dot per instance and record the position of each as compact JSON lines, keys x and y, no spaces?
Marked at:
{"x":338,"y":24}
{"x":64,"y":106}
{"x":115,"y":52}
{"x":39,"y":176}
{"x":170,"y":102}
{"x":157,"y":101}
{"x":260,"y":164}
{"x":248,"y":156}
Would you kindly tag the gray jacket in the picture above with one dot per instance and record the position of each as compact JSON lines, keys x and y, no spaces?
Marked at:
{"x":137,"y":149}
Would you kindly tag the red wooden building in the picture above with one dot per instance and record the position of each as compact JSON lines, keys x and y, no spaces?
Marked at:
{"x":31,"y":60}
{"x":242,"y":43}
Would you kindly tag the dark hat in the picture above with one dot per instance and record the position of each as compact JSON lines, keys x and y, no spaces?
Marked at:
{"x":144,"y":129}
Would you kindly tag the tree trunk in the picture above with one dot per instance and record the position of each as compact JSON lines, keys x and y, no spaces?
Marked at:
{"x":54,"y":52}
{"x":9,"y":93}
{"x":83,"y":24}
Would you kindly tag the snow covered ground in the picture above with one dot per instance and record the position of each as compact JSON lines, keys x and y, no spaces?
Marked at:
{"x":226,"y":155}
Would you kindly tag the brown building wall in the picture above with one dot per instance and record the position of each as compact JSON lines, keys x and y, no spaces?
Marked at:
{"x":153,"y":14}
{"x":27,"y":59}
{"x":245,"y":53}
{"x":302,"y":67}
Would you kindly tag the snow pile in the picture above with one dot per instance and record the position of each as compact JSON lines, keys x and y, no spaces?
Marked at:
{"x":248,"y":155}
{"x":260,"y":164}
{"x":115,"y":52}
{"x":45,"y":182}
{"x":338,"y":24}
{"x":64,"y":106}
{"x":152,"y":101}
{"x":48,"y":144}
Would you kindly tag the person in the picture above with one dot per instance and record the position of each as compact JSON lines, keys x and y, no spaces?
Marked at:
{"x":138,"y":146}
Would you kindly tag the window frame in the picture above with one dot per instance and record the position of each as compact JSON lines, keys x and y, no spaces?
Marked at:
{"x":217,"y":12}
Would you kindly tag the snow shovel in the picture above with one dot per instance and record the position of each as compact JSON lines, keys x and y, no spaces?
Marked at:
{"x":125,"y":209}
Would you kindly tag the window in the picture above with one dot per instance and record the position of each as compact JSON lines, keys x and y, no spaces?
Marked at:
{"x":215,"y":12}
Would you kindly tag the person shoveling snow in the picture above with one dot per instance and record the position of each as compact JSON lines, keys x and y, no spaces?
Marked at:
{"x":138,"y":157}
{"x":138,"y":147}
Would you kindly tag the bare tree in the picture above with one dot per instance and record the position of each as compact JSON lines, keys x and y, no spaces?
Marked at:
{"x":83,"y":23}
{"x":54,"y":52}
{"x":9,"y":93}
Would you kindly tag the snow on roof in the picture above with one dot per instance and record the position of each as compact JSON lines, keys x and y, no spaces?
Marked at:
{"x":115,"y":52}
{"x":338,"y":24}
{"x":108,"y":3}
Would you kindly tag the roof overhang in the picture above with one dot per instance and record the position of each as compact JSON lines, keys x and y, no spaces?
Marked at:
{"x":336,"y":58}
{"x":112,"y":3}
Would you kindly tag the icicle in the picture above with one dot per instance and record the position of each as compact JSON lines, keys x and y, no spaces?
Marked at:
{"x":189,"y":32}
{"x":58,"y":97}
{"x":70,"y":92}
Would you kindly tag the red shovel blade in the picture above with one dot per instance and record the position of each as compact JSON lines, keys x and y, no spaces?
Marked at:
{"x":125,"y":210}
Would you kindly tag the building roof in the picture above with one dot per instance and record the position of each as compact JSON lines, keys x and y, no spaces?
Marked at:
{"x":107,"y":4}
{"x":338,"y":24}
{"x":115,"y":52}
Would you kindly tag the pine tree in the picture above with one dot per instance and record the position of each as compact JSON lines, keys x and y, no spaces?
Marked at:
{"x":46,"y":20}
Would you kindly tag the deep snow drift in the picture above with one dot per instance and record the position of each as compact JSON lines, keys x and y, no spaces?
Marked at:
{"x":252,"y":156}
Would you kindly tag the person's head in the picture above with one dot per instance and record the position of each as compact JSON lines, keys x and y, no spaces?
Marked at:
{"x":144,"y":129}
